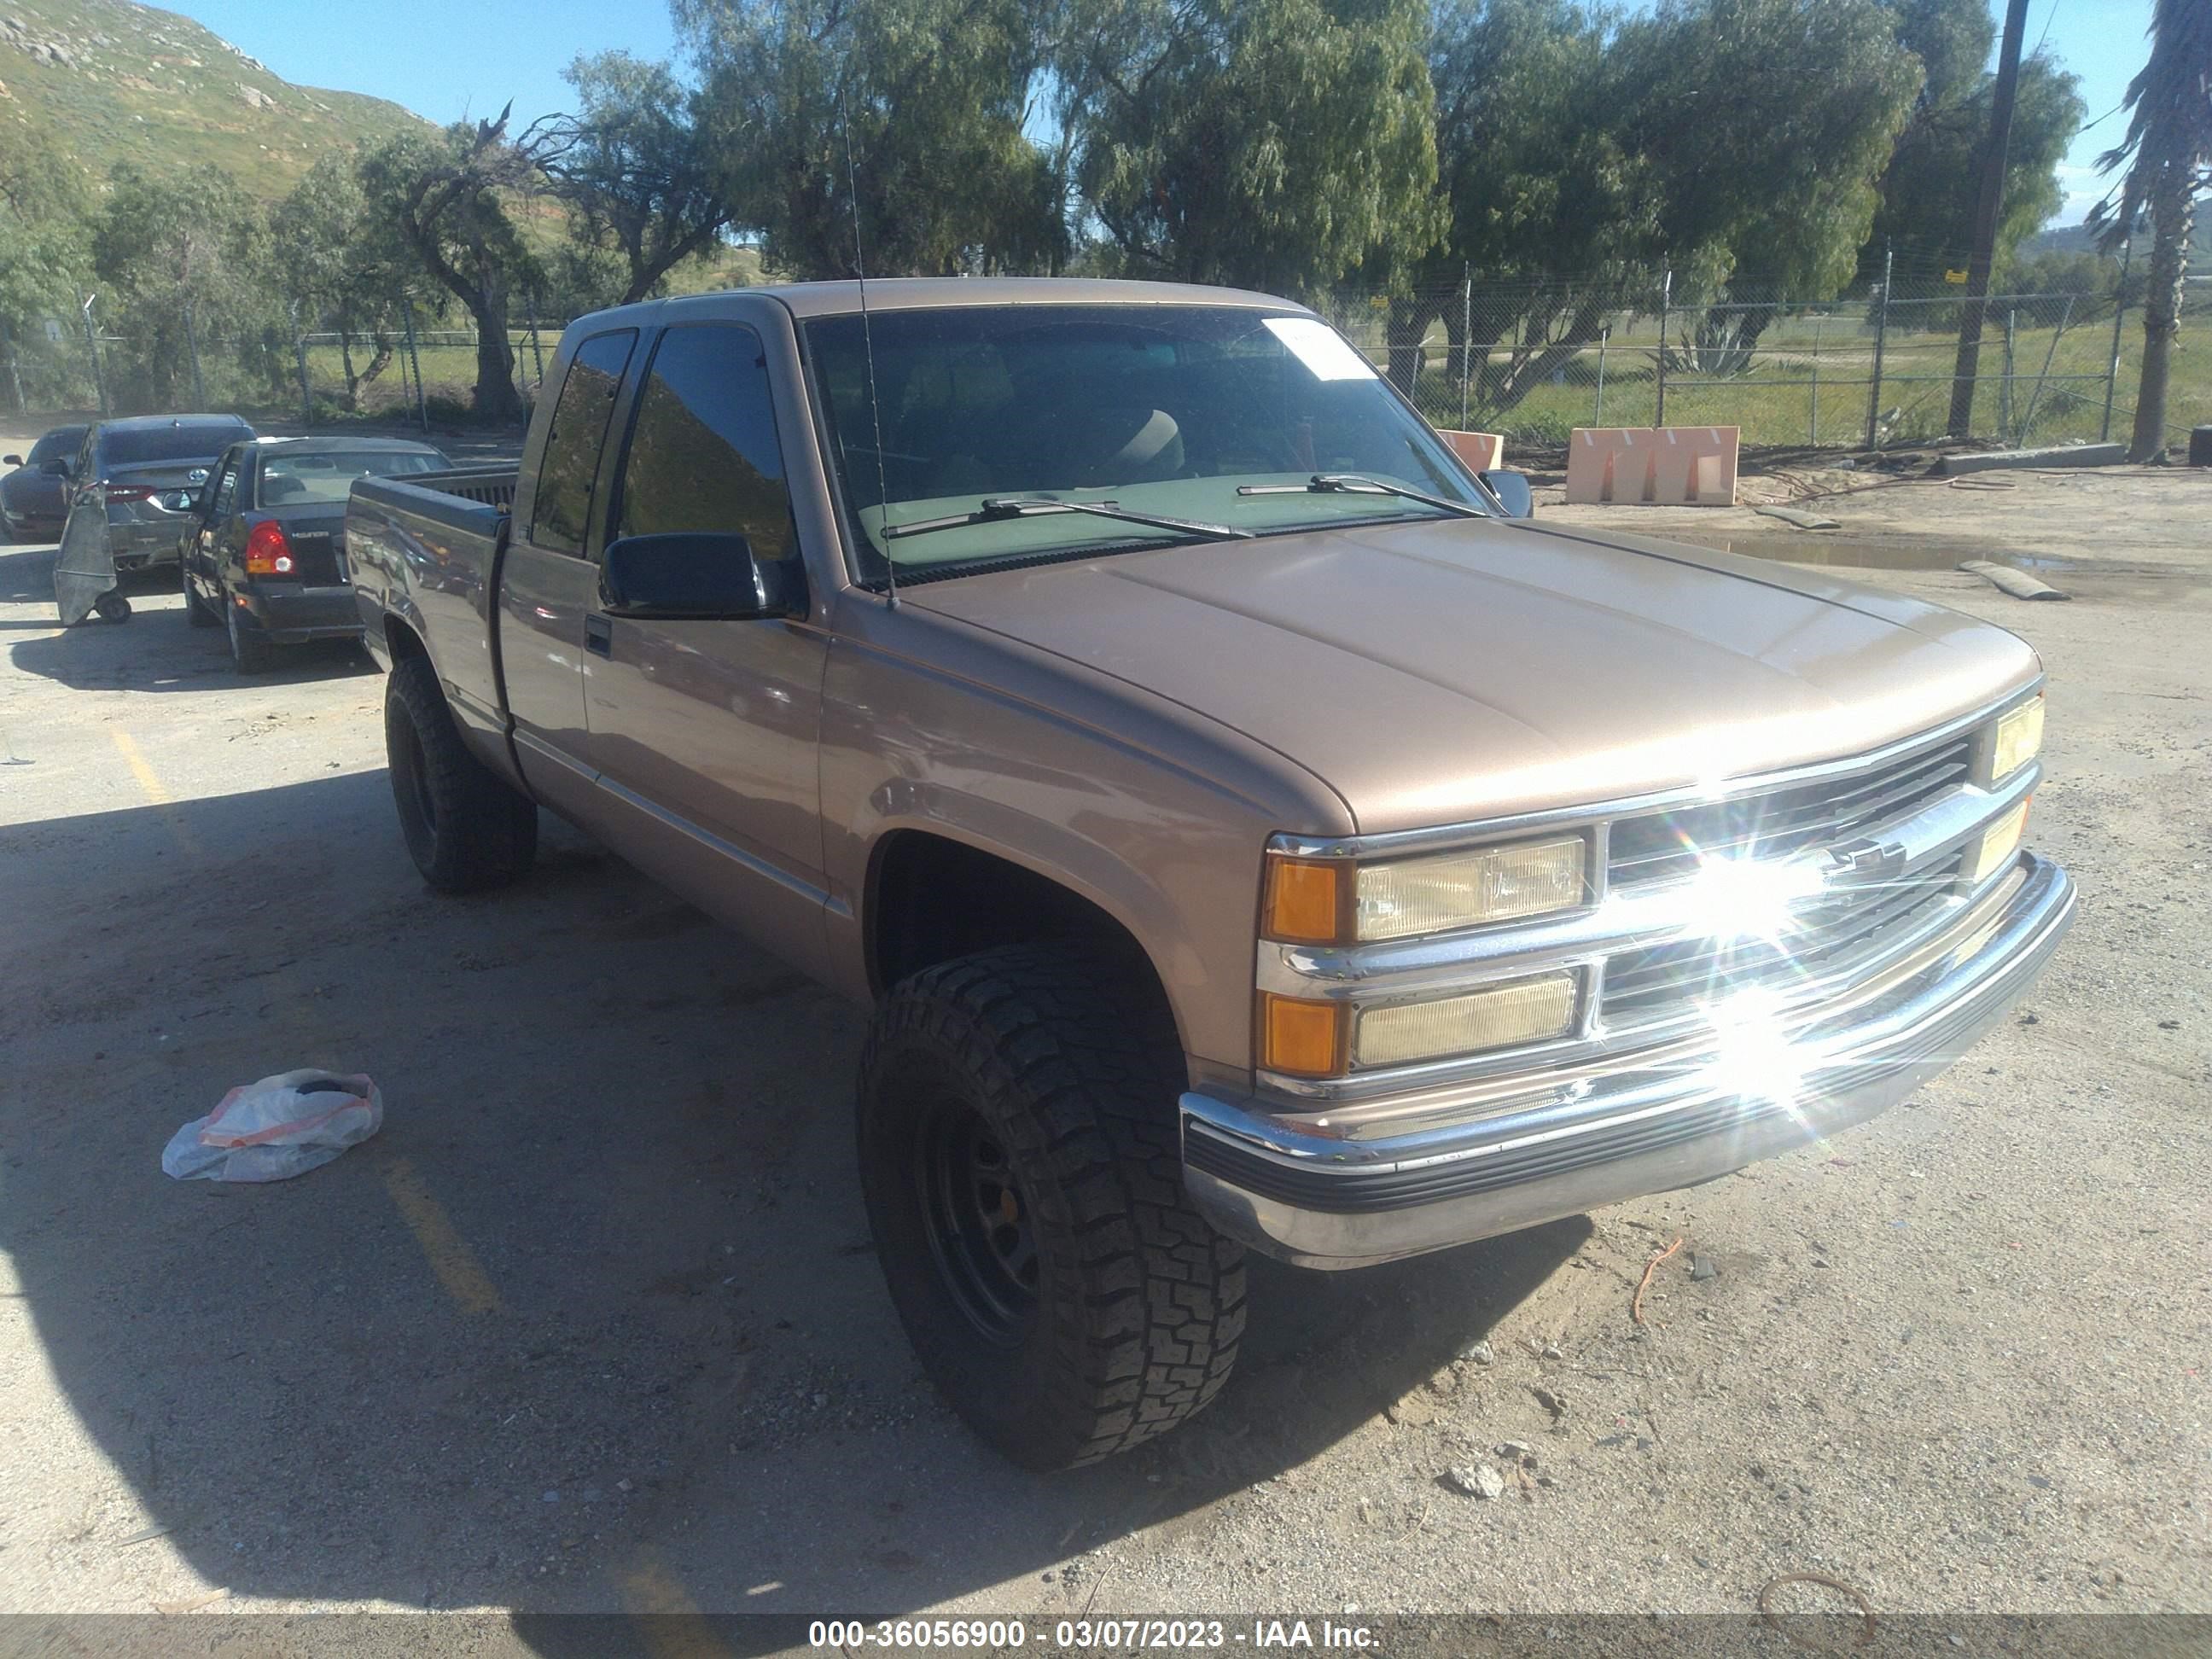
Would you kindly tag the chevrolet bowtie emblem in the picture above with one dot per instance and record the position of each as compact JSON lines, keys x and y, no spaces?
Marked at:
{"x":1865,"y":863}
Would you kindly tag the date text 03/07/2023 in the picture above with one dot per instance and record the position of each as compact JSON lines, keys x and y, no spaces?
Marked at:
{"x":1079,"y":1635}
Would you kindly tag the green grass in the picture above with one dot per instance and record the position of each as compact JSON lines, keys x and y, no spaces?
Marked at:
{"x":2056,"y":392}
{"x":157,"y":89}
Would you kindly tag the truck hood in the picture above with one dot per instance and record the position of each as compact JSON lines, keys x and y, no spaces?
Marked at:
{"x":1442,"y":671}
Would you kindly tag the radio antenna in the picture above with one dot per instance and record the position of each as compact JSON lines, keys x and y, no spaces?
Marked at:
{"x":868,"y":354}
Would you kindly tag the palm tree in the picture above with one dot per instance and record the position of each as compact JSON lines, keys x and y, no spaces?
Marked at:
{"x":2168,"y":157}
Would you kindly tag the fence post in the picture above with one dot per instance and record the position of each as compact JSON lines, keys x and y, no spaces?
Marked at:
{"x":422,"y":399}
{"x":1819,"y":320}
{"x":91,"y":349}
{"x":306,"y":399}
{"x":2119,"y":314}
{"x":1465,"y":336}
{"x":15,"y":368}
{"x":1880,"y":337}
{"x":537,"y":354}
{"x":192,"y":347}
{"x":2004,"y":383}
{"x":1666,"y":294}
{"x":1597,"y":416}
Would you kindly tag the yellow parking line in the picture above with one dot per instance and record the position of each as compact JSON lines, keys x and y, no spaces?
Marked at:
{"x":450,"y":1258}
{"x":669,"y":1619}
{"x":147,"y":779}
{"x":150,"y":785}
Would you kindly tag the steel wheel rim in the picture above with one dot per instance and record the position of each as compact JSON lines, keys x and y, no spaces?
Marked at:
{"x":978,"y":1221}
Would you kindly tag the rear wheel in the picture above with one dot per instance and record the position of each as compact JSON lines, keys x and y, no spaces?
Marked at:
{"x":1020,"y":1157}
{"x":249,"y":653}
{"x":466,"y":829}
{"x":196,"y":611}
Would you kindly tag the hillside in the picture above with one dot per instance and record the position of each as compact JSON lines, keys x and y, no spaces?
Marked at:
{"x":2070,"y":238}
{"x":116,"y":82}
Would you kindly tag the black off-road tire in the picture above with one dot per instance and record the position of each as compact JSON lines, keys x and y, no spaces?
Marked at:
{"x":1068,"y":1059}
{"x":466,"y":828}
{"x":196,"y":611}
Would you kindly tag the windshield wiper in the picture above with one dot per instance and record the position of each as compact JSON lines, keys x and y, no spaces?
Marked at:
{"x":1353,"y":483}
{"x":997,"y":509}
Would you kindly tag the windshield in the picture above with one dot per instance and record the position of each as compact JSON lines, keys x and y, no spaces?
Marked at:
{"x":62,"y":440}
{"x":1160,"y":410}
{"x":169,"y":443}
{"x":328,"y":475}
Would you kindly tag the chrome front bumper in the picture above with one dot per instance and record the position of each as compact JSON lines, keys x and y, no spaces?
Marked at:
{"x":1647,"y":1127}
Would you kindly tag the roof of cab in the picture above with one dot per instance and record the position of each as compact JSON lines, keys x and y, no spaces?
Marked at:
{"x":840,"y":299}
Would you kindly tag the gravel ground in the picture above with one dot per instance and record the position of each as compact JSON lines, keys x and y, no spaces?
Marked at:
{"x":593,"y":1325}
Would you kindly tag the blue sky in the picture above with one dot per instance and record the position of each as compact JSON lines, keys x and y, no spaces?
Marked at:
{"x":444,"y":58}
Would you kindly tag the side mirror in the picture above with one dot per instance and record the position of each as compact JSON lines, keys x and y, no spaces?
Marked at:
{"x":55,"y":469}
{"x":1512,"y":491}
{"x":705,"y":575}
{"x":11,"y":460}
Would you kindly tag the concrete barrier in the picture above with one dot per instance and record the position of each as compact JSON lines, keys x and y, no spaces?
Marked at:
{"x":1653,"y":466}
{"x":1995,"y":460}
{"x":1480,"y":450}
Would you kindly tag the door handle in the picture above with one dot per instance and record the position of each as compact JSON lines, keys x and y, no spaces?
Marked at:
{"x":598,"y":635}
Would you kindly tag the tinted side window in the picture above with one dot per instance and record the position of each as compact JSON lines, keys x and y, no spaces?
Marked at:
{"x":225,"y":491}
{"x":704,"y":453}
{"x":563,"y":509}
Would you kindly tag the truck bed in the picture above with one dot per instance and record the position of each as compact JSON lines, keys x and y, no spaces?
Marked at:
{"x":426,"y":548}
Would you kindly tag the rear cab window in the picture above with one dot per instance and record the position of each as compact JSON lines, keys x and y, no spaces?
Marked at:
{"x":561,"y":511}
{"x":703,"y":452}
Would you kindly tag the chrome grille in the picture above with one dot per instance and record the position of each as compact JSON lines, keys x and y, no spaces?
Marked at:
{"x":1661,"y":846}
{"x":1662,"y":981}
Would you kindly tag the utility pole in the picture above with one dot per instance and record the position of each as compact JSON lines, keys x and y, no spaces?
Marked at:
{"x":1987,"y":208}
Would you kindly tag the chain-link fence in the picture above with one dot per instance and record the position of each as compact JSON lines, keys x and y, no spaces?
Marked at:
{"x":1533,"y":359}
{"x":1536,"y":358}
{"x":398,"y":370}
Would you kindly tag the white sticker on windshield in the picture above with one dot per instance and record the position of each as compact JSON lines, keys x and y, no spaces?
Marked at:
{"x":1320,"y":349}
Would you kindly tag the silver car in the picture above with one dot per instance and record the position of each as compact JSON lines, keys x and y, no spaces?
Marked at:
{"x":147,"y":474}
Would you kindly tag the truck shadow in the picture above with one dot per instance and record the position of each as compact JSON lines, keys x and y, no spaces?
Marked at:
{"x":594,"y":1325}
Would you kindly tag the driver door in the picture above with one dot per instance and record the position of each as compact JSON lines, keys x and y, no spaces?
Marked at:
{"x":202,"y":552}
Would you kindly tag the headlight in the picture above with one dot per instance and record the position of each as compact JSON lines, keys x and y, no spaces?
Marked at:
{"x":1999,"y":842}
{"x":1325,"y":1039}
{"x":2020,"y":734}
{"x":1319,"y":901}
{"x":1532,"y":1010}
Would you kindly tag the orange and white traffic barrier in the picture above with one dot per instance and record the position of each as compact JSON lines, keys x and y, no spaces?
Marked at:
{"x":1653,"y":466}
{"x":1480,"y":450}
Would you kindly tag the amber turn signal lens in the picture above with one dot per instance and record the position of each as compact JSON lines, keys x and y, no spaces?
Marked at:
{"x":1307,"y":901}
{"x":1303,"y":1039}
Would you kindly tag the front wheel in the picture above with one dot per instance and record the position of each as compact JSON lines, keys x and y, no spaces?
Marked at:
{"x":1020,"y":1157}
{"x":466,"y":829}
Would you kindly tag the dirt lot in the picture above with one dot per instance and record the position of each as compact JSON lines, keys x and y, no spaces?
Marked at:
{"x":594,"y":1324}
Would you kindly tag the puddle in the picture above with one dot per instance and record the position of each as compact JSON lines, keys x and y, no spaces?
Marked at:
{"x":1870,"y":552}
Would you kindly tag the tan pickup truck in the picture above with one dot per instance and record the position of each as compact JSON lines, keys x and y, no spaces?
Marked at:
{"x":1252,"y":829}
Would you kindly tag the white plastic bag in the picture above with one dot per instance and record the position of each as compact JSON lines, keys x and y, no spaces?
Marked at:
{"x":276,"y":1128}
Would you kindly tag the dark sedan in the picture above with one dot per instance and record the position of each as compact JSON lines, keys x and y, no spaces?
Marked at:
{"x":265,"y":554}
{"x":34,"y":498}
{"x":146,"y":474}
